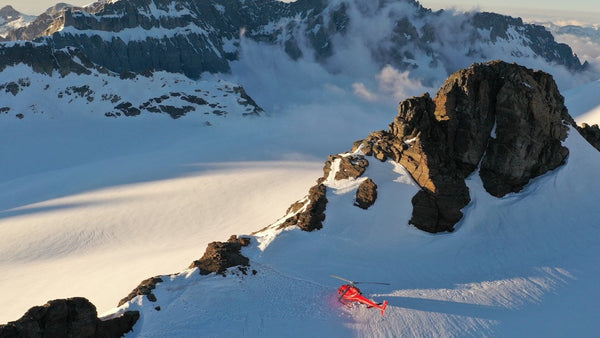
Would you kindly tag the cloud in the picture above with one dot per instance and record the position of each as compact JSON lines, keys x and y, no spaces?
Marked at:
{"x":398,"y":84}
{"x":585,"y":48}
{"x":361,"y":91}
{"x":392,"y":85}
{"x":356,"y":75}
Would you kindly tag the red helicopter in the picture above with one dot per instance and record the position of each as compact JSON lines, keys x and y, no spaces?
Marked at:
{"x":351,"y":293}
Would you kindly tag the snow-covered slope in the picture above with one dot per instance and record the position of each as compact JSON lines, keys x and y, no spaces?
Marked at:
{"x":98,"y":94}
{"x":526,"y":264}
{"x":90,"y":207}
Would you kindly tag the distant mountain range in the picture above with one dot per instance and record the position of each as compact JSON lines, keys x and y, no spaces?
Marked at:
{"x":192,"y":38}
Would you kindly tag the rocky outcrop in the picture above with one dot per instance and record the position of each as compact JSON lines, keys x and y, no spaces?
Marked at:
{"x":219,"y":256}
{"x":144,"y":289}
{"x":314,"y":215}
{"x":352,"y":166}
{"x":73,"y":317}
{"x":366,"y":194}
{"x":514,"y":116}
{"x":505,"y":119}
{"x":309,"y":213}
{"x":591,"y":134}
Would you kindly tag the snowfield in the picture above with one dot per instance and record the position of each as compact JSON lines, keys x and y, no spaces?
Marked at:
{"x":522,"y":265}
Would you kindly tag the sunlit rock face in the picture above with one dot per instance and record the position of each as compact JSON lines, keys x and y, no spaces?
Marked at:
{"x":506,"y":120}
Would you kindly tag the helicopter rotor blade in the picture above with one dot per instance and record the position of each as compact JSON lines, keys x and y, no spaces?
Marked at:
{"x":353,"y":282}
{"x":344,"y":279}
{"x":372,"y":283}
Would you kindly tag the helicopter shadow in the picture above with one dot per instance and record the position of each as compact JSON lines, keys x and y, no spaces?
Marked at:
{"x":447,"y":307}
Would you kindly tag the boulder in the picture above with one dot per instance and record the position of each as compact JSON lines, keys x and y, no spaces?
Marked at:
{"x":366,"y":194}
{"x":73,"y":317}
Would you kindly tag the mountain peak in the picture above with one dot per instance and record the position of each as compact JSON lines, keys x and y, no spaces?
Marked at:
{"x":8,"y":12}
{"x":52,"y":11}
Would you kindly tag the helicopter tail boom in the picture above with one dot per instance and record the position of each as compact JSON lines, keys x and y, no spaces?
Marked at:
{"x":383,"y":307}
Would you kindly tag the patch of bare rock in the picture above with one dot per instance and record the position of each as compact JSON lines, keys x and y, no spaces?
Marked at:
{"x":219,"y":256}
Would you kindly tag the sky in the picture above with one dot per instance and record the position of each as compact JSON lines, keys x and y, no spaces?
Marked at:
{"x":513,"y":7}
{"x":584,"y":12}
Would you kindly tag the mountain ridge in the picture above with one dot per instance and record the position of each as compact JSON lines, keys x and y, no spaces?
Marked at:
{"x":205,"y":37}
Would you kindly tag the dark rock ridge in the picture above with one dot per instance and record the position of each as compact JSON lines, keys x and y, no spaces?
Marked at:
{"x":204,"y":36}
{"x":314,"y":215}
{"x":73,"y":317}
{"x":219,"y":256}
{"x":591,"y":134}
{"x":144,"y":289}
{"x":308,"y":214}
{"x":505,"y":119}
